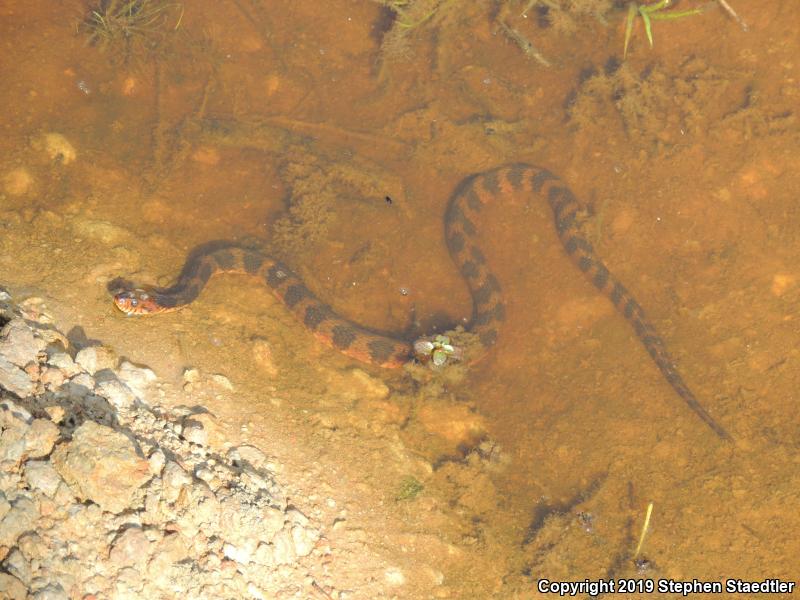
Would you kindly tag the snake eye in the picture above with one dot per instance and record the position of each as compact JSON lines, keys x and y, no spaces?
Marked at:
{"x":134,"y":302}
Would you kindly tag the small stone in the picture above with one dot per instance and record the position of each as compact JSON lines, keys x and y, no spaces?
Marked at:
{"x":101,"y":465}
{"x":240,"y":555}
{"x":40,"y":438}
{"x":191,"y":375}
{"x":194,"y":432}
{"x":52,"y":591}
{"x":283,"y":548}
{"x":53,"y":378}
{"x":394,"y":576}
{"x":117,"y":393}
{"x":41,"y":476}
{"x":15,"y":380}
{"x":173,"y":479}
{"x":130,"y":548}
{"x":55,"y":412}
{"x":63,"y":361}
{"x":304,"y":540}
{"x":81,"y":384}
{"x":264,"y":555}
{"x":96,"y":358}
{"x":18,"y":520}
{"x":11,"y":587}
{"x":221,"y":381}
{"x":136,"y":378}
{"x":18,"y":344}
{"x":16,"y":564}
{"x":156,"y":461}
{"x":250,"y":454}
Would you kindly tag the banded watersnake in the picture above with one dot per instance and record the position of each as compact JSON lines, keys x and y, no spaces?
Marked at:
{"x":461,"y":231}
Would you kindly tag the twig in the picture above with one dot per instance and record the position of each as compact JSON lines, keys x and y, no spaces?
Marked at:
{"x":729,"y":9}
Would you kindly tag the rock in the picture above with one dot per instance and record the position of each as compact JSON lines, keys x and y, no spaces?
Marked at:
{"x":11,"y":587}
{"x":55,"y":412}
{"x":156,"y":461}
{"x":15,"y":380}
{"x":221,"y":382}
{"x":96,"y":358}
{"x":16,"y":564}
{"x":195,"y":433}
{"x":40,"y":438}
{"x":52,"y":591}
{"x":18,"y":520}
{"x":62,"y":360}
{"x":18,"y":344}
{"x":117,"y":393}
{"x":136,"y":378}
{"x":173,"y":479}
{"x":283,"y":548}
{"x":102,"y":465}
{"x":131,"y":548}
{"x":250,"y":454}
{"x":41,"y":476}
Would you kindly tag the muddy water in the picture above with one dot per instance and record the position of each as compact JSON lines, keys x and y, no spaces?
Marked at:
{"x":333,"y":136}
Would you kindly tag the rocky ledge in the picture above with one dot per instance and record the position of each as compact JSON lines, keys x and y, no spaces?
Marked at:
{"x":106,"y":495}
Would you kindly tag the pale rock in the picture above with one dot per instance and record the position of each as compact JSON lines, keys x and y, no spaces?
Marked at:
{"x":136,"y":378}
{"x":52,"y":591}
{"x":194,"y":432}
{"x":130,"y":548}
{"x":156,"y":461}
{"x":16,"y":564}
{"x":15,"y":380}
{"x":283,"y":548}
{"x":41,"y":476}
{"x":240,"y":555}
{"x":40,"y":438}
{"x":102,"y":465}
{"x":55,"y":412}
{"x":173,"y":479}
{"x":117,"y":393}
{"x":11,"y":587}
{"x":63,"y":361}
{"x":394,"y":576}
{"x":18,"y":520}
{"x":304,"y":539}
{"x":18,"y":344}
{"x":221,"y":382}
{"x":96,"y":358}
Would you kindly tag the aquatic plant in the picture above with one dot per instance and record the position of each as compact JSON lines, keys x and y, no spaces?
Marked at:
{"x":119,"y":24}
{"x":649,"y":13}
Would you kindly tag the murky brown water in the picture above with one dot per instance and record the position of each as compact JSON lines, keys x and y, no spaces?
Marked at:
{"x":288,"y":123}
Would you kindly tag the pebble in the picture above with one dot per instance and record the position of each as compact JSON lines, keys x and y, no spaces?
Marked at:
{"x":101,"y":465}
{"x":14,"y":379}
{"x":96,"y":358}
{"x":41,"y":476}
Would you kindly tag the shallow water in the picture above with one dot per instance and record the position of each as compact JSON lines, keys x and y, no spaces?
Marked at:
{"x":291,"y":125}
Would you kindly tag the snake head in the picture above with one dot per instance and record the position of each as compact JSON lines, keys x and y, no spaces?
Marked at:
{"x":437,"y":350}
{"x":136,"y":302}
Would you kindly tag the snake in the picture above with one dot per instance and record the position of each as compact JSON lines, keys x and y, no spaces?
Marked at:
{"x":504,"y":185}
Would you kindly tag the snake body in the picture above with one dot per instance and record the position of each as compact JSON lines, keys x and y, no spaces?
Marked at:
{"x":504,"y":184}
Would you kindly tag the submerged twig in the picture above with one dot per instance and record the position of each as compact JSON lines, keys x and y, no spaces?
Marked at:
{"x":729,"y":9}
{"x":524,"y":43}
